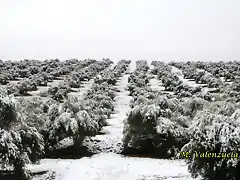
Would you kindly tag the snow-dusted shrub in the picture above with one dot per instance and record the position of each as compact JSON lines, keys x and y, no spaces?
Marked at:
{"x":67,"y":120}
{"x":229,"y":76}
{"x":136,"y":81}
{"x":142,"y":65}
{"x":140,"y":91}
{"x":183,"y":121}
{"x":138,"y":76}
{"x":106,"y":104}
{"x":57,"y":92}
{"x":28,"y":84}
{"x":168,"y":103}
{"x":180,"y":65}
{"x":12,"y":89}
{"x":34,"y":111}
{"x":160,"y":69}
{"x":214,"y":83}
{"x":21,"y":88}
{"x":189,"y":73}
{"x":190,"y":106}
{"x":107,"y":76}
{"x":41,"y":79}
{"x":199,"y":76}
{"x":139,"y":128}
{"x":10,"y":154}
{"x":231,"y":92}
{"x":234,"y":95}
{"x":19,"y":142}
{"x":217,"y":135}
{"x":187,"y":90}
{"x":171,"y":81}
{"x":205,"y":78}
{"x":236,"y":85}
{"x":100,"y":107}
{"x":4,"y":79}
{"x":32,"y":142}
{"x":93,"y":69}
{"x":147,"y":131}
{"x":171,"y":136}
{"x":223,"y":108}
{"x":184,"y":90}
{"x":74,"y":79}
{"x":8,"y":114}
{"x":184,"y":94}
{"x":24,"y":73}
{"x":139,"y":101}
{"x":121,"y":67}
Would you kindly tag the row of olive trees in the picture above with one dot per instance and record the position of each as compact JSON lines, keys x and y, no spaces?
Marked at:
{"x":39,"y":71}
{"x":173,"y":83}
{"x":157,"y":123}
{"x":60,"y":91}
{"x":30,"y":128}
{"x":228,"y":70}
{"x":213,"y":128}
{"x":76,"y":118}
{"x":46,"y":72}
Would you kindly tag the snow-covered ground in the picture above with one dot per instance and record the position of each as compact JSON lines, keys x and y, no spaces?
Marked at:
{"x":39,"y":90}
{"x":155,"y":84}
{"x":110,"y":166}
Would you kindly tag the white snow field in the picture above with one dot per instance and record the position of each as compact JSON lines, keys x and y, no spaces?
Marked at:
{"x":156,"y":84}
{"x":109,"y":165}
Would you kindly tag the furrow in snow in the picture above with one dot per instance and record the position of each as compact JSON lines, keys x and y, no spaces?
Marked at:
{"x":155,"y":84}
{"x":111,"y":140}
{"x":187,"y":81}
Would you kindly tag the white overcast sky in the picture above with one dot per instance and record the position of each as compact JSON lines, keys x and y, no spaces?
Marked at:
{"x":120,"y":29}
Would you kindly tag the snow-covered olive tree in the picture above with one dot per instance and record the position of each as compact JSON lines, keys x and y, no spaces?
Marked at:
{"x":19,"y":142}
{"x":214,"y":145}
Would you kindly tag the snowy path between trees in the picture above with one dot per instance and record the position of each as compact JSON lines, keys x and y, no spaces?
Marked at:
{"x":85,"y":86}
{"x":156,"y":85}
{"x":79,"y":92}
{"x":187,"y":81}
{"x":111,"y":166}
{"x":180,"y":75}
{"x":111,"y":139}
